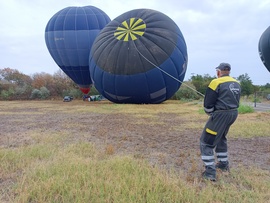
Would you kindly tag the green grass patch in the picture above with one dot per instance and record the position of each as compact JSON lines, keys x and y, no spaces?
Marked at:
{"x":52,"y":160}
{"x":245,"y":109}
{"x":79,"y":173}
{"x":251,"y":125}
{"x":14,"y":160}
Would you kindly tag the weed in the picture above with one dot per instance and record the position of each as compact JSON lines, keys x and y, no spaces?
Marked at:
{"x":245,"y":109}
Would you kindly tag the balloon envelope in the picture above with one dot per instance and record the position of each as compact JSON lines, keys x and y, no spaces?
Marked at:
{"x":129,"y":56}
{"x":69,"y":36}
{"x":264,"y":48}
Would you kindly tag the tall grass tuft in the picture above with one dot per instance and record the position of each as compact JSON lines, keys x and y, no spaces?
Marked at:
{"x":71,"y":177}
{"x":59,"y":164}
{"x":245,"y":109}
{"x":81,"y":173}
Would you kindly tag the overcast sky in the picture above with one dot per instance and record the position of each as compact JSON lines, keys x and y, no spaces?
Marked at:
{"x":214,"y":31}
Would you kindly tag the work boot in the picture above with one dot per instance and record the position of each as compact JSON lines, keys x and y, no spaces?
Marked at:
{"x":209,"y":176}
{"x":223,"y":166}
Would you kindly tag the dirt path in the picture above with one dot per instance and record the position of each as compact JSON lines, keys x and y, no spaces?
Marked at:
{"x":165,"y":147}
{"x":159,"y":143}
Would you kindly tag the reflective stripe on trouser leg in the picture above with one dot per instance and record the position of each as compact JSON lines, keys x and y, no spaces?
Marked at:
{"x":208,"y":160}
{"x":222,"y":156}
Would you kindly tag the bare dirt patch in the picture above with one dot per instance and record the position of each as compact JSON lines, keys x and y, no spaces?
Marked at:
{"x":157,"y":140}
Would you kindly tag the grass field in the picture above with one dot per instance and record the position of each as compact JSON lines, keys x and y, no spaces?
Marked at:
{"x":51,"y":151}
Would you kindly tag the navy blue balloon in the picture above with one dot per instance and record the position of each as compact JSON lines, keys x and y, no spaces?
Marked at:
{"x":139,"y":57}
{"x":69,"y":36}
{"x":264,"y":48}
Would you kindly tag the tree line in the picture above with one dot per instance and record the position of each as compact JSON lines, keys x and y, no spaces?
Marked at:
{"x":200,"y":84}
{"x":15,"y":85}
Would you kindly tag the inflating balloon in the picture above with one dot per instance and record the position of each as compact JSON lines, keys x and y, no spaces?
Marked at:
{"x":264,"y":48}
{"x":69,"y":36}
{"x":138,"y":58}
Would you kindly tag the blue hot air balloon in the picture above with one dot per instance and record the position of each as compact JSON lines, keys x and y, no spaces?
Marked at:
{"x":139,"y":57}
{"x":264,"y":48}
{"x":69,"y":36}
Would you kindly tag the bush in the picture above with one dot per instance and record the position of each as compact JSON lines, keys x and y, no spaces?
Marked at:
{"x":186,"y":93}
{"x":36,"y":94}
{"x":75,"y":93}
{"x":4,"y":94}
{"x":7,"y":94}
{"x":45,"y":93}
{"x":22,"y":92}
{"x":93,"y":91}
{"x":245,"y":109}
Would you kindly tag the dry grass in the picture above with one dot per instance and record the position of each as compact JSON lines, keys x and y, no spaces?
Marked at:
{"x":251,"y":125}
{"x":80,"y":173}
{"x":53,"y":161}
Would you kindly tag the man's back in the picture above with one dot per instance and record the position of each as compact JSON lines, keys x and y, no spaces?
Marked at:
{"x":228,"y":92}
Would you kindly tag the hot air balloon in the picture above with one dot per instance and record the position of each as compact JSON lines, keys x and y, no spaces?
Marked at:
{"x":264,"y":48}
{"x":139,"y":57}
{"x":69,"y":36}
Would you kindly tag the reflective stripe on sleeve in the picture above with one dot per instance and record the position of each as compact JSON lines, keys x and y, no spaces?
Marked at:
{"x":209,"y":110}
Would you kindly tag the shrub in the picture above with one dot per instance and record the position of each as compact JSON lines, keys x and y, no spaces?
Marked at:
{"x":36,"y":94}
{"x":45,"y":93}
{"x":74,"y":92}
{"x":186,"y":93}
{"x":93,"y":91}
{"x":4,"y":94}
{"x":245,"y":109}
{"x":7,"y":94}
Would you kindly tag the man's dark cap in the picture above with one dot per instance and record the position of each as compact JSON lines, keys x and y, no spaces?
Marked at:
{"x":224,"y":66}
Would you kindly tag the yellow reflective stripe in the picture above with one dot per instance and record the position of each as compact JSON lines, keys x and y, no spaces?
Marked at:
{"x":211,"y":131}
{"x":216,"y":82}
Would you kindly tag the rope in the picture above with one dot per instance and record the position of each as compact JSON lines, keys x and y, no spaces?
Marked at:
{"x":167,"y":73}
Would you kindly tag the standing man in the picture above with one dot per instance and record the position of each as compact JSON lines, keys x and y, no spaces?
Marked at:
{"x":220,"y":103}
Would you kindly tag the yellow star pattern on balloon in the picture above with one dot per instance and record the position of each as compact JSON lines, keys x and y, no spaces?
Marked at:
{"x":130,"y":29}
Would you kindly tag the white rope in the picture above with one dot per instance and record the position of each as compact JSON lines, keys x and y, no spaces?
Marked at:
{"x":167,"y":73}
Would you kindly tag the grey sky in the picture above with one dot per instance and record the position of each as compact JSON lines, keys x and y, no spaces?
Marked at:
{"x":215,"y":31}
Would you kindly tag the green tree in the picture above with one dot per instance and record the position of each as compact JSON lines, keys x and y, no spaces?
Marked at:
{"x":267,"y":86}
{"x":15,"y":77}
{"x":201,"y":82}
{"x":247,"y":87}
{"x":19,"y":83}
{"x":62,"y":85}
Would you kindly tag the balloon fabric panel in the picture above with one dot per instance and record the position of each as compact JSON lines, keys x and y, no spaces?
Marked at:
{"x":264,"y":48}
{"x":69,"y":36}
{"x":138,"y":58}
